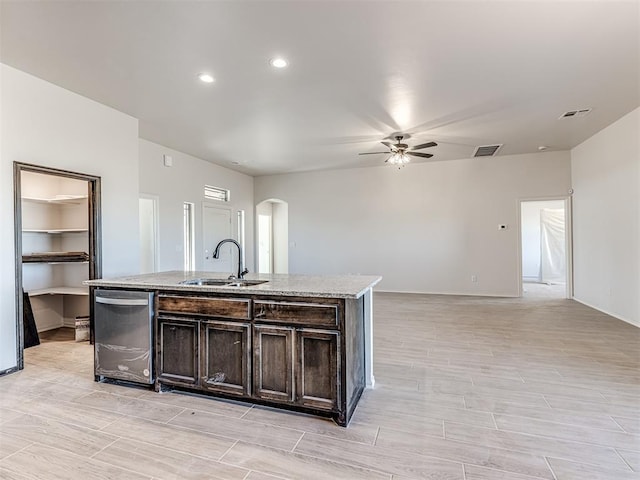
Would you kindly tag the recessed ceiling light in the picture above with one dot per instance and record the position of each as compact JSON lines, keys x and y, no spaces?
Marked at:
{"x":206,"y":78}
{"x":278,"y":62}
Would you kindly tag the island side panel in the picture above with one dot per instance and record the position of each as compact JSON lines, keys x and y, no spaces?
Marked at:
{"x":368,"y":337}
{"x":354,"y":338}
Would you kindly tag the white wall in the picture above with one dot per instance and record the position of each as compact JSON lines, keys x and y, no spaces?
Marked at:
{"x":530,"y":223}
{"x":280,"y":237}
{"x":184,"y":182}
{"x":148,"y":234}
{"x":44,"y":124}
{"x":426,"y":228}
{"x":606,"y":219}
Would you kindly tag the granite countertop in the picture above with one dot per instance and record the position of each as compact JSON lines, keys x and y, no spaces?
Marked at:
{"x":333,"y":286}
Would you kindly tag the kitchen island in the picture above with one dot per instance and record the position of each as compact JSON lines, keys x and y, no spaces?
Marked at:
{"x":299,"y":342}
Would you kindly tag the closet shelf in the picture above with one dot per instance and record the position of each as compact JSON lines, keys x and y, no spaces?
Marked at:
{"x":55,"y":257}
{"x":59,"y":291}
{"x":54,"y":230}
{"x":58,"y":199}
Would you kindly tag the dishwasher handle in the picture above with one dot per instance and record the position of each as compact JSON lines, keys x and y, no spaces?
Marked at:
{"x":126,"y":302}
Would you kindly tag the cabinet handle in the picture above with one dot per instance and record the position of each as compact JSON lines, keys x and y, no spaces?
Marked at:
{"x":172,"y":329}
{"x":125,"y":302}
{"x":260,"y":314}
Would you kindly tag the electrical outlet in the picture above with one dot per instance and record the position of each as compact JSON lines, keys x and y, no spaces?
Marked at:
{"x":474,"y":278}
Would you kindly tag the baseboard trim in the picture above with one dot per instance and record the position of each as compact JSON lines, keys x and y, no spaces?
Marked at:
{"x":48,"y":329}
{"x":531,"y":279}
{"x":617,"y":317}
{"x":489,"y":295}
{"x":8,"y":371}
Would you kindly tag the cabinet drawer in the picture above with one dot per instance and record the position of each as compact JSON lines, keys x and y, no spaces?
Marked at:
{"x":296,"y":313}
{"x":214,"y":307}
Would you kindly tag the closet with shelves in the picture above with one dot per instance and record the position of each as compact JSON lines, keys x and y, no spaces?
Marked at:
{"x":56,"y":216}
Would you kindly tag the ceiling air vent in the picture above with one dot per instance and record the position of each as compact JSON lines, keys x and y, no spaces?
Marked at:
{"x":486,"y":150}
{"x":575,"y":113}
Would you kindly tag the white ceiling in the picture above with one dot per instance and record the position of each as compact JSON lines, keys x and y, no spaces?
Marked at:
{"x":461,"y":73}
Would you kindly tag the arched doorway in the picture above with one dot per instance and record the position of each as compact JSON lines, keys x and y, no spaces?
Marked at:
{"x":272,"y":218}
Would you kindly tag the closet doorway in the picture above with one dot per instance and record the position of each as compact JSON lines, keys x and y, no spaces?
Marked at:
{"x":57,"y":247}
{"x":545,"y":248}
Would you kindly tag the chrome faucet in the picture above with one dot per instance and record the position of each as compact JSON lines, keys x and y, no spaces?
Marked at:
{"x":241,"y":270}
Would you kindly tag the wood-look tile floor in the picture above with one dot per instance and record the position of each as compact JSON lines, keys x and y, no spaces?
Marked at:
{"x":467,"y":388}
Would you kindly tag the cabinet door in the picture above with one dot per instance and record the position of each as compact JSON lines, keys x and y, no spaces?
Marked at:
{"x":178,"y":343}
{"x":316,"y":370}
{"x":273,"y":363}
{"x":225,"y":358}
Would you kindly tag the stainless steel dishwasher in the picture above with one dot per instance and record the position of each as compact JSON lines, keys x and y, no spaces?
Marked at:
{"x":124,"y":335}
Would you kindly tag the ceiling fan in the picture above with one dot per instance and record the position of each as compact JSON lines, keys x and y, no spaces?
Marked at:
{"x":400,"y":151}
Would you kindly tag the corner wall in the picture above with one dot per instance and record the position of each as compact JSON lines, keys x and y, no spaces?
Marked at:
{"x":43,"y":124}
{"x":606,"y":219}
{"x":184,"y":182}
{"x":425,"y":228}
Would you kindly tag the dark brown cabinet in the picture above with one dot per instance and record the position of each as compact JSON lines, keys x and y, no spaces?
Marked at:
{"x":296,"y":365}
{"x":300,"y":353}
{"x":236,"y":308}
{"x":317,"y":314}
{"x":316,"y":368}
{"x":225,"y":359}
{"x":178,"y":345}
{"x":273,"y":362}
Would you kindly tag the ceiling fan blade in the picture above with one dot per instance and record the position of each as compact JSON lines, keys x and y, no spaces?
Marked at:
{"x":419,"y":154}
{"x":372,"y":153}
{"x":424,"y":145}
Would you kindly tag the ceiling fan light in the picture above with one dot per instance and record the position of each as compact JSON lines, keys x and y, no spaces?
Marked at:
{"x":400,"y":153}
{"x":399,"y":158}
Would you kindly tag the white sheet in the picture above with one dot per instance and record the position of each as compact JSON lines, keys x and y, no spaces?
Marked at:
{"x":552,"y":246}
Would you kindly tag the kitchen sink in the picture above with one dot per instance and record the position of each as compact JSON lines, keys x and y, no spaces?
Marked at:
{"x":219,"y":282}
{"x":206,"y":281}
{"x":244,"y":283}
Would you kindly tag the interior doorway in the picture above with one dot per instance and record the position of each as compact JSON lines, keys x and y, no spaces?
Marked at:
{"x":545,"y":248}
{"x":265,"y":239}
{"x":57,"y":247}
{"x":273,"y":236}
